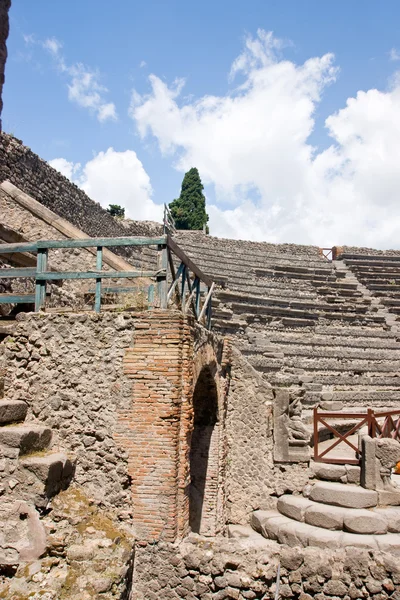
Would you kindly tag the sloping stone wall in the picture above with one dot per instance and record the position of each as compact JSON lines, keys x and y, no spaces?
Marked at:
{"x":34,"y":176}
{"x":4,"y":28}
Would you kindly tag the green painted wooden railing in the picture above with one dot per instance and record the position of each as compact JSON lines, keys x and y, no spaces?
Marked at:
{"x":181,"y":285}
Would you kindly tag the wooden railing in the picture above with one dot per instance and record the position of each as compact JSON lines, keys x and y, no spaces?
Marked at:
{"x":381,"y":424}
{"x":178,"y":279}
{"x":169,"y":224}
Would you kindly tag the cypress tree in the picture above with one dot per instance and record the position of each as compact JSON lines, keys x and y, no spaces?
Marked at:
{"x":189,"y":210}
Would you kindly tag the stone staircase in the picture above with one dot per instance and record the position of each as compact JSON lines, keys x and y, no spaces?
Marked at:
{"x":334,"y":511}
{"x":31,"y":473}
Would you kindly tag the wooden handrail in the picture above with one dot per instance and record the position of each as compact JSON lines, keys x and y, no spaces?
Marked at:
{"x":165,"y":245}
{"x":370,"y":418}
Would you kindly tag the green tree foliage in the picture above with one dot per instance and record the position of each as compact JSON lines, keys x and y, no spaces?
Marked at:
{"x":189,"y":210}
{"x":116,"y":210}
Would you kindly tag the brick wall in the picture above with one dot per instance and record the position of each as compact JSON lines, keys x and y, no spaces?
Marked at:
{"x":164,"y":364}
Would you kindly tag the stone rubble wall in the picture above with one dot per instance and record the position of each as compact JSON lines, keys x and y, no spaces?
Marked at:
{"x":116,"y":389}
{"x":226,"y":245}
{"x":37,"y":178}
{"x":367,"y":251}
{"x":4,"y":29}
{"x":252,"y":478}
{"x":204,"y":569}
{"x":69,"y":369}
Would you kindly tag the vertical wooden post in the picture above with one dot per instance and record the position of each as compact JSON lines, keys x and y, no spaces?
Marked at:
{"x":40,"y":285}
{"x":315,"y":434}
{"x":99,"y":266}
{"x":44,"y":283}
{"x":162,"y":283}
{"x":150,"y":296}
{"x":209,"y":309}
{"x":371,"y":423}
{"x":183,"y":288}
{"x":197,"y":300}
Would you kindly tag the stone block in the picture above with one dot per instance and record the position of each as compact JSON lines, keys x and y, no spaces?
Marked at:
{"x":353,"y":473}
{"x":328,"y":472}
{"x":364,"y":522}
{"x":28,"y":438}
{"x":293,"y":507}
{"x":325,"y":516}
{"x":12,"y":411}
{"x":368,"y":463}
{"x":346,"y":495}
{"x":390,"y":498}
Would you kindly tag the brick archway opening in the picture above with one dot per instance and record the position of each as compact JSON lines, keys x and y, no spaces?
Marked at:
{"x":204,"y":455}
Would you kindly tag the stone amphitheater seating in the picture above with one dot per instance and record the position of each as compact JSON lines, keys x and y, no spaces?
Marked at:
{"x":307,"y":322}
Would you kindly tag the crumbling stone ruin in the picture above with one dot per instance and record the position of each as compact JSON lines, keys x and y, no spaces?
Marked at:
{"x":145,"y":457}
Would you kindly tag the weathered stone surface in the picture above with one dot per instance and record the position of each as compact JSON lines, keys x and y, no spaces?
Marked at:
{"x":293,"y":506}
{"x":391,"y":516}
{"x":325,"y":516}
{"x":12,"y":411}
{"x":328,"y":472}
{"x":364,"y":521}
{"x":28,"y":438}
{"x":346,"y":495}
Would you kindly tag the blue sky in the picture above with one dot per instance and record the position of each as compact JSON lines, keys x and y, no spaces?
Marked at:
{"x":77,"y":85}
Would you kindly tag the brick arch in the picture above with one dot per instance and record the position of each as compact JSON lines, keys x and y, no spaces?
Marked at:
{"x":204,"y":453}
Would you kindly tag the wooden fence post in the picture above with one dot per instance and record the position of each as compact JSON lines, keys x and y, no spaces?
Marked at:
{"x":99,"y":265}
{"x":162,"y":283}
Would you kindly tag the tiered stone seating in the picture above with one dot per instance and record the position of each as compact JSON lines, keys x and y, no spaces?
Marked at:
{"x":302,"y":321}
{"x":380,"y":273}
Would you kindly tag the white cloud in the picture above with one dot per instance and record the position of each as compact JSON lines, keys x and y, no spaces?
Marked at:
{"x":113,"y":177}
{"x":68,"y":169}
{"x":84,"y":88}
{"x":252,"y":145}
{"x":394,"y":54}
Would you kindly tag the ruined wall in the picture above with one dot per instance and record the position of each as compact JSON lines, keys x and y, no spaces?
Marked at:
{"x":117,"y":391}
{"x":69,"y":369}
{"x":4,"y":28}
{"x":253,"y":481}
{"x":220,"y":568}
{"x":34,"y":176}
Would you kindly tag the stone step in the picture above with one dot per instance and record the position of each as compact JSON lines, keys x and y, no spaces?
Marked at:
{"x":339,"y":473}
{"x":344,"y":495}
{"x":330,"y":341}
{"x":262,"y":302}
{"x":324,"y":351}
{"x":292,"y":274}
{"x":54,"y":470}
{"x":28,"y":438}
{"x":354,"y":520}
{"x":12,"y":411}
{"x":275,"y":526}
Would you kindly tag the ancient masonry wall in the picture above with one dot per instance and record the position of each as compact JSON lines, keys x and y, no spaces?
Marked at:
{"x":4,"y":28}
{"x":117,"y":391}
{"x":252,"y":480}
{"x":220,"y":568}
{"x":34,"y":176}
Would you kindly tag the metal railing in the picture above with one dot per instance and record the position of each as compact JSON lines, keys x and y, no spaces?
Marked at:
{"x":380,"y":424}
{"x":178,"y":279}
